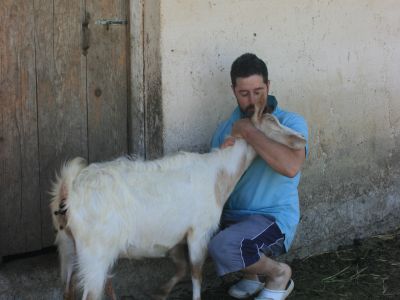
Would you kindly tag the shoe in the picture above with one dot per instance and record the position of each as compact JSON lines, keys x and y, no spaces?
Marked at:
{"x":245,"y":288}
{"x":267,"y":294}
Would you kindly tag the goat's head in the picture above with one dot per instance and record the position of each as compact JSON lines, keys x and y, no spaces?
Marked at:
{"x":259,"y":106}
{"x":271,"y":127}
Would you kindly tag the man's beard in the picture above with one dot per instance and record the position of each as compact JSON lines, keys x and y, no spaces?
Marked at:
{"x":248,"y":112}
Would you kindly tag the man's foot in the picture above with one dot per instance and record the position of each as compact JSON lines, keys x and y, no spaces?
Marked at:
{"x":281,"y":277}
{"x":245,"y":288}
{"x":267,"y":294}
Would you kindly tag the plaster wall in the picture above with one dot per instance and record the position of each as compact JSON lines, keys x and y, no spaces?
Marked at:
{"x":334,"y":62}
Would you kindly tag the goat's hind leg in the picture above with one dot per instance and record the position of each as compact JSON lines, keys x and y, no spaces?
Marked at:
{"x":110,"y":290}
{"x":197,"y":255}
{"x":69,"y":291}
{"x":67,"y":254}
{"x":179,"y":257}
{"x":93,"y":272}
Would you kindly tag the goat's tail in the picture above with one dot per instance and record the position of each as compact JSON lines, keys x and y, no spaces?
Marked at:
{"x":60,"y":189}
{"x":64,"y":239}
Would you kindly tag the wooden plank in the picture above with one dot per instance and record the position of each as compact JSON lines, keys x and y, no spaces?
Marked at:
{"x":107,"y":80}
{"x":20,"y":226}
{"x":62,"y":108}
{"x":154,"y":138}
{"x":136,"y":112}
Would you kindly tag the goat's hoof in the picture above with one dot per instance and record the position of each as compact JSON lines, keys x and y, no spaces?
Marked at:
{"x":159,"y":296}
{"x":69,"y":296}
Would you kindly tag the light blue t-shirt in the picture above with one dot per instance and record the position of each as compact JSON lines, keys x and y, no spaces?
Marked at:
{"x":261,"y":190}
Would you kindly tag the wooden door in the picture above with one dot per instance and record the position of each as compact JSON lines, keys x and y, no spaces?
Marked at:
{"x":64,"y":93}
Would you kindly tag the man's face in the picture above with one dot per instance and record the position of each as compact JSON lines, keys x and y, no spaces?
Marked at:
{"x":247,"y":92}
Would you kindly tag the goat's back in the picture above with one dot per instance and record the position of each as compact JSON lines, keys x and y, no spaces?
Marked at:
{"x":155,"y":202}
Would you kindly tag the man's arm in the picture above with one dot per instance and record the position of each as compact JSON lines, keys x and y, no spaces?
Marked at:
{"x":281,"y":158}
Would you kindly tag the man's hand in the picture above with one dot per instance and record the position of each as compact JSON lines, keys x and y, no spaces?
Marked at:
{"x":281,"y":158}
{"x":239,"y":130}
{"x":242,"y":127}
{"x":229,"y":141}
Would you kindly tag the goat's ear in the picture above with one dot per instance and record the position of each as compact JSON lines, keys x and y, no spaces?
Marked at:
{"x":259,"y":108}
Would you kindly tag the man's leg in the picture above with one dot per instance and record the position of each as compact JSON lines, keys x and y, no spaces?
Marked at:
{"x":241,"y":245}
{"x":277,"y":274}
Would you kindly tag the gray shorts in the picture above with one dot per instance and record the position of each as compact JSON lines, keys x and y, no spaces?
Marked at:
{"x":240,"y":242}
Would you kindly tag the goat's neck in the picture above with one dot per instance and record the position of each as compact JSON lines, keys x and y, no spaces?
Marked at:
{"x":233,"y":162}
{"x":240,"y":156}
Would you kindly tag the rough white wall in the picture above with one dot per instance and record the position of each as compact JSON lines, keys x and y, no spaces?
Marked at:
{"x":335,"y":62}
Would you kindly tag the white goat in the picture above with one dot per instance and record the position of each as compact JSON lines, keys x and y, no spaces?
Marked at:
{"x":134,"y":209}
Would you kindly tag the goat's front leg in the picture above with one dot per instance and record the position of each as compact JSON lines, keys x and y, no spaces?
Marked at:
{"x":178,"y":256}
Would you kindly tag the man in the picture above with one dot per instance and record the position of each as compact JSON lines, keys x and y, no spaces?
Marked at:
{"x":260,"y":218}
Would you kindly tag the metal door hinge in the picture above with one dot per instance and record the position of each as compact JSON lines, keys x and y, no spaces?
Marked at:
{"x":109,"y":22}
{"x":85,"y":37}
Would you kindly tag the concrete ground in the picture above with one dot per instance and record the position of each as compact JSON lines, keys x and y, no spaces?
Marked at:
{"x":38,"y":277}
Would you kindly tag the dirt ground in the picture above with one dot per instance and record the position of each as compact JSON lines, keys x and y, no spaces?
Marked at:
{"x":368,"y":269}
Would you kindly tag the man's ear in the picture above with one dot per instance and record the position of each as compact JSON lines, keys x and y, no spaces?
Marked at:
{"x":233,"y":89}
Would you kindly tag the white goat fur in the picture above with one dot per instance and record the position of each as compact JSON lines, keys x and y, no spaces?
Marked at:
{"x":144,"y":209}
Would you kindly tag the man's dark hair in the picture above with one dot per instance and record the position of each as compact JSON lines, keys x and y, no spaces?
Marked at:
{"x":246,"y":65}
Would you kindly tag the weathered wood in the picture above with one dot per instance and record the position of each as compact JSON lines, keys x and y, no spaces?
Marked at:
{"x":62,"y":109}
{"x":154,"y":138}
{"x":58,"y":101}
{"x":107,"y":80}
{"x":136,"y":104}
{"x":20,"y":227}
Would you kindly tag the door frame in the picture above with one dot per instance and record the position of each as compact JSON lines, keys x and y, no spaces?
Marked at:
{"x":146,"y":114}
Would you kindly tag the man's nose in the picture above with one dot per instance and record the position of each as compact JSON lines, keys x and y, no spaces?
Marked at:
{"x":252,"y":98}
